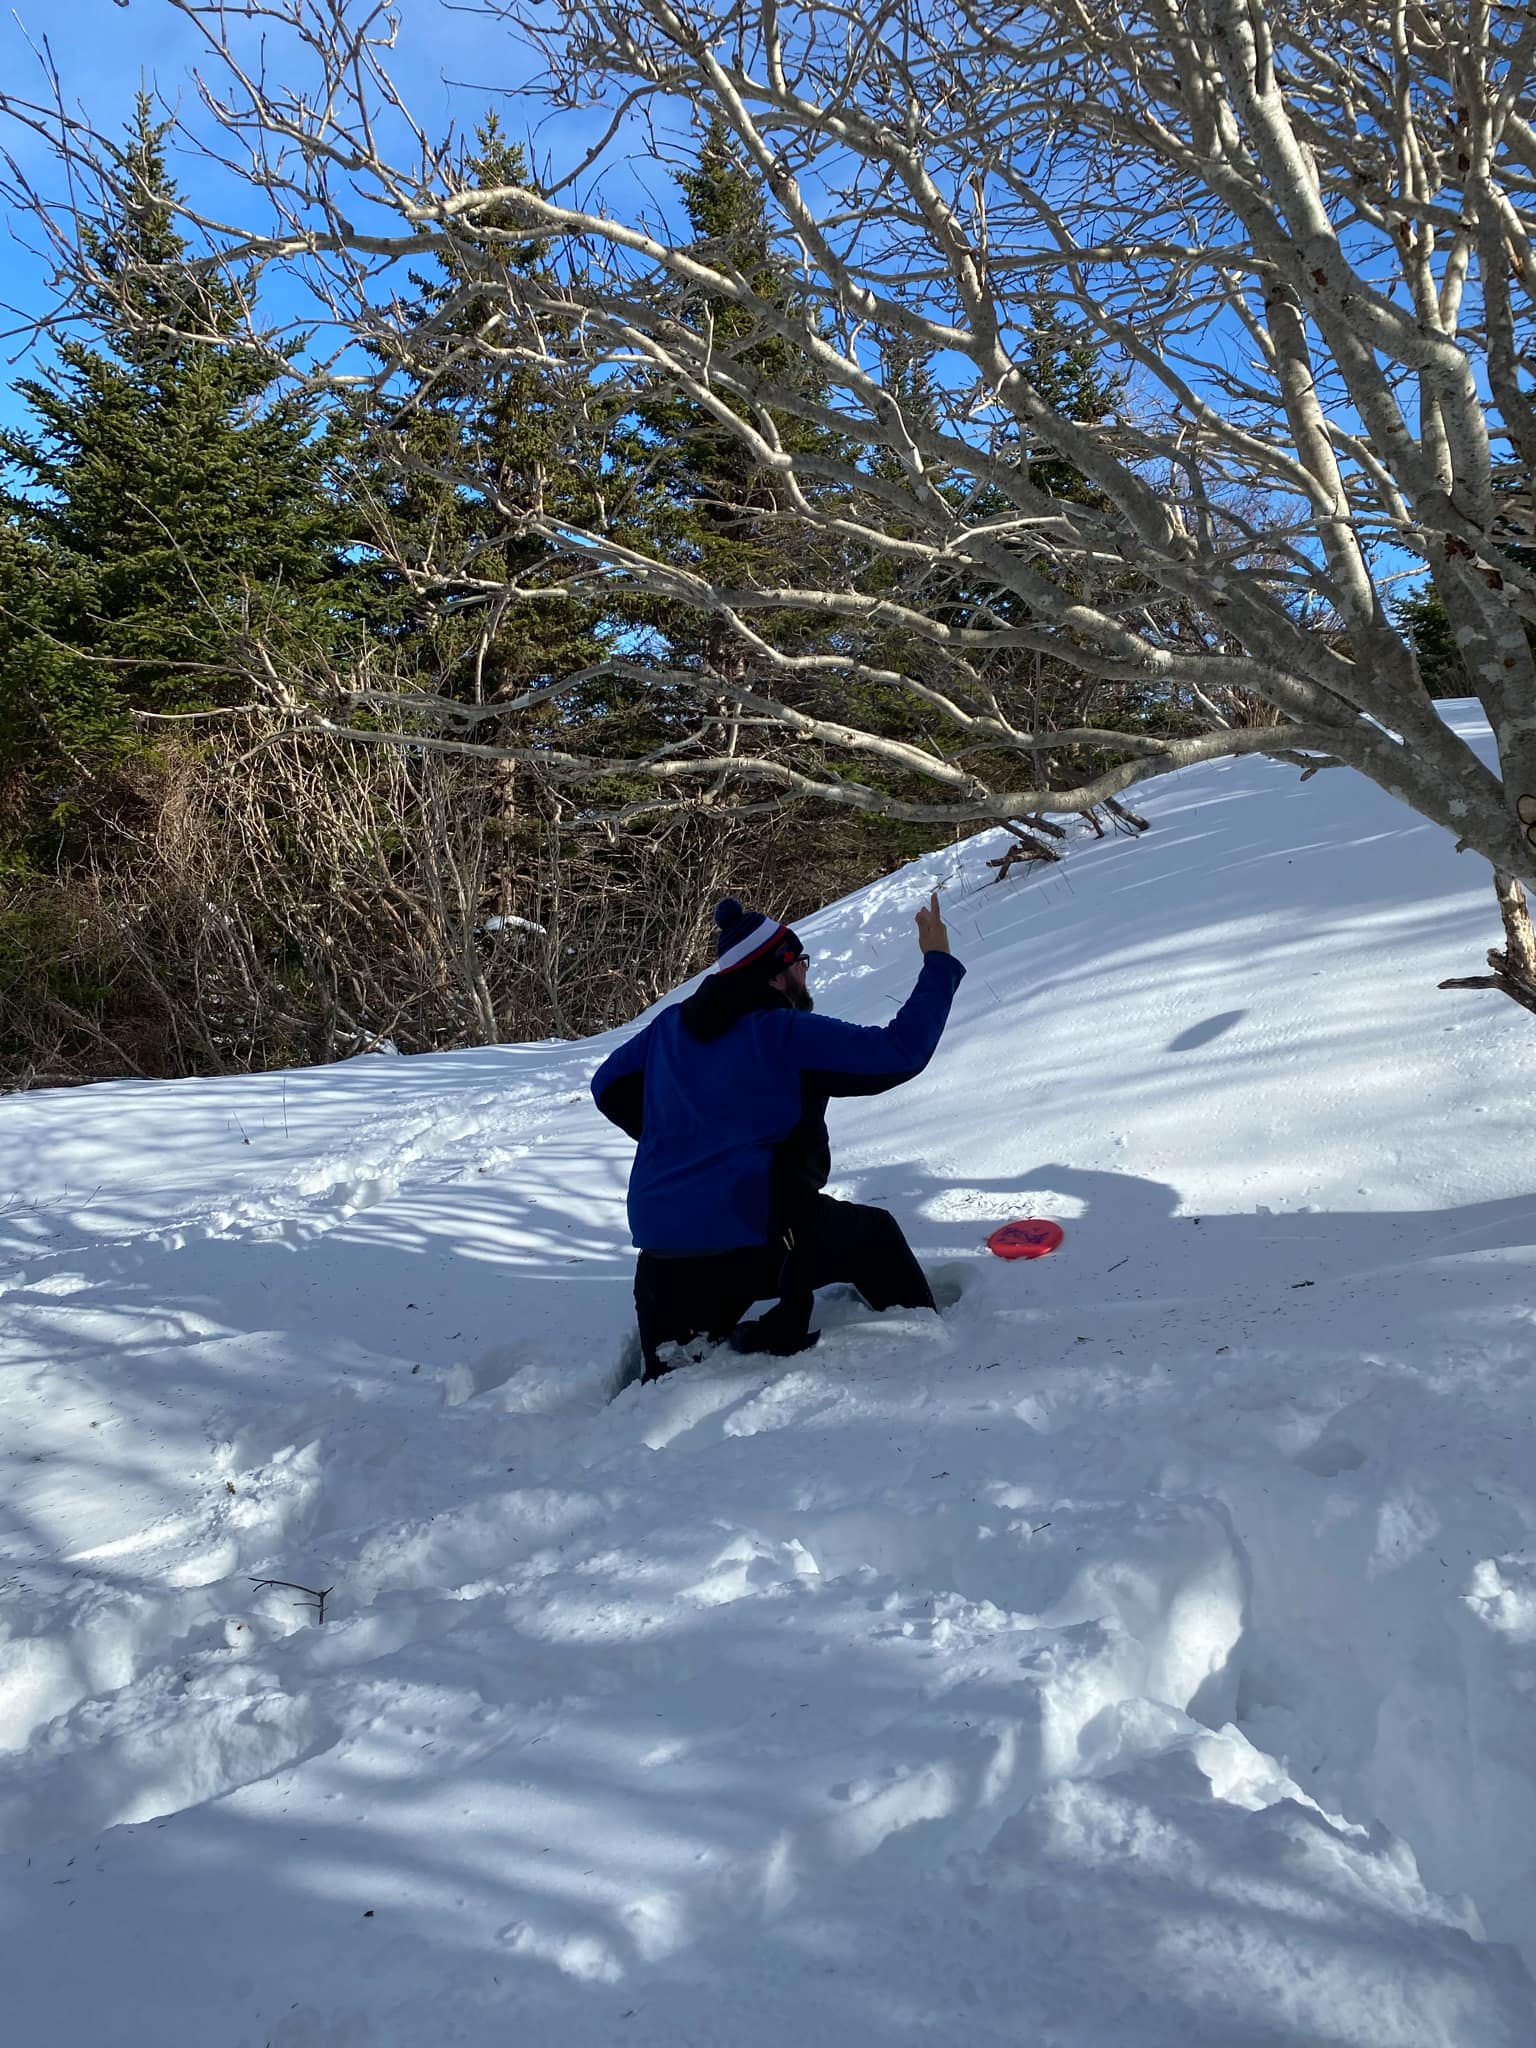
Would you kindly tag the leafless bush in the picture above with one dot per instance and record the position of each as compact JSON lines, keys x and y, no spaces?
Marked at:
{"x":258,"y":897}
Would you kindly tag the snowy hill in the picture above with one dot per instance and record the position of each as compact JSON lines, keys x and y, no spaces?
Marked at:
{"x":1146,"y":1655}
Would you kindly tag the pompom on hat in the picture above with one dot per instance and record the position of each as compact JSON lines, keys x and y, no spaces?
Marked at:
{"x":748,"y":939}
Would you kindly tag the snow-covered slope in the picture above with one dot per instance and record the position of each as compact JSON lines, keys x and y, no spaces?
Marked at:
{"x":1146,"y":1655}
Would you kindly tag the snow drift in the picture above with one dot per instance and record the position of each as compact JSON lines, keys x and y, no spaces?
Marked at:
{"x":1144,"y":1654}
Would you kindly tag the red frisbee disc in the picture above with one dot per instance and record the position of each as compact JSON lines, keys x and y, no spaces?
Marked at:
{"x":1027,"y":1237}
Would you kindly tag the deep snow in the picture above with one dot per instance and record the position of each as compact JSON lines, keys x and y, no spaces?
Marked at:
{"x":1145,"y":1655}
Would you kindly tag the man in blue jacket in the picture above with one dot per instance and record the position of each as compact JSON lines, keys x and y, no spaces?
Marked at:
{"x":727,"y":1095}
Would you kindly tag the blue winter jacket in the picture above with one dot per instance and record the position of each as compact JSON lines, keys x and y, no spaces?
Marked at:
{"x":727,"y":1094}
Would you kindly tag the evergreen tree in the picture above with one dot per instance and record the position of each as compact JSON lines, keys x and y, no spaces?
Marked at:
{"x":446,"y":452}
{"x":711,"y":507}
{"x":1030,"y":689}
{"x":456,"y":440}
{"x":160,"y":506}
{"x":718,"y":513}
{"x":1441,"y":666}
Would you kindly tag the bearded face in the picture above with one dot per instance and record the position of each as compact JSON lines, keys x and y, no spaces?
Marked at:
{"x":791,"y":985}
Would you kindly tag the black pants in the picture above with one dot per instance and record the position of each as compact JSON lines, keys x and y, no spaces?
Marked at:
{"x":677,"y":1300}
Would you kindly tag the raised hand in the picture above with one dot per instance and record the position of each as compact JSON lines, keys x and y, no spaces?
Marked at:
{"x":931,"y":933}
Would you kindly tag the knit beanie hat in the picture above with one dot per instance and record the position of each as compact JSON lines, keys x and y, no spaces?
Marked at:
{"x":748,"y":939}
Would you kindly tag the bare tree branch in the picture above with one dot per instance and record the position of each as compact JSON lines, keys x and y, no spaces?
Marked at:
{"x":1304,"y":231}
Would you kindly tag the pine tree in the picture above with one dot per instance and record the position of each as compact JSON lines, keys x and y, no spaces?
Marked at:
{"x":454,"y":442}
{"x":711,"y":506}
{"x":161,"y":506}
{"x":1031,"y":690}
{"x":1441,"y":665}
{"x":445,"y":451}
{"x":718,"y":512}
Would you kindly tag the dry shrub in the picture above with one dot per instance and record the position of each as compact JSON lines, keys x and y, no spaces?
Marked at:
{"x":262,"y":898}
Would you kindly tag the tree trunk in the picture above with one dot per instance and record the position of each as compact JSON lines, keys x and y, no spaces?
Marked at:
{"x":1514,"y":970}
{"x":1026,"y":847}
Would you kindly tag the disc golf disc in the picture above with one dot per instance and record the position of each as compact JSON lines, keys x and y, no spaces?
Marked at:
{"x":1027,"y":1237}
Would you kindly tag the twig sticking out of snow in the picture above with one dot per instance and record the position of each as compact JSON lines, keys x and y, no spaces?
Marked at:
{"x":318,"y":1595}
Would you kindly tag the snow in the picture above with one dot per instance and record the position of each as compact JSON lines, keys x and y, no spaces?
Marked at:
{"x":1145,"y":1653}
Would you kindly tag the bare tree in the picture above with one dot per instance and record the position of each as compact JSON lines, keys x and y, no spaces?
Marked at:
{"x":1304,"y":226}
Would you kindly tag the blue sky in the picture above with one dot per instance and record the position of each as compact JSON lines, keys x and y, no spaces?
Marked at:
{"x":103,"y":49}
{"x":450,"y":64}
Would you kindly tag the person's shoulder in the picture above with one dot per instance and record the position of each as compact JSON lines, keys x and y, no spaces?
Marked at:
{"x":810,"y":1019}
{"x":775,"y":1026}
{"x":812,"y":1027}
{"x":770,"y":1034}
